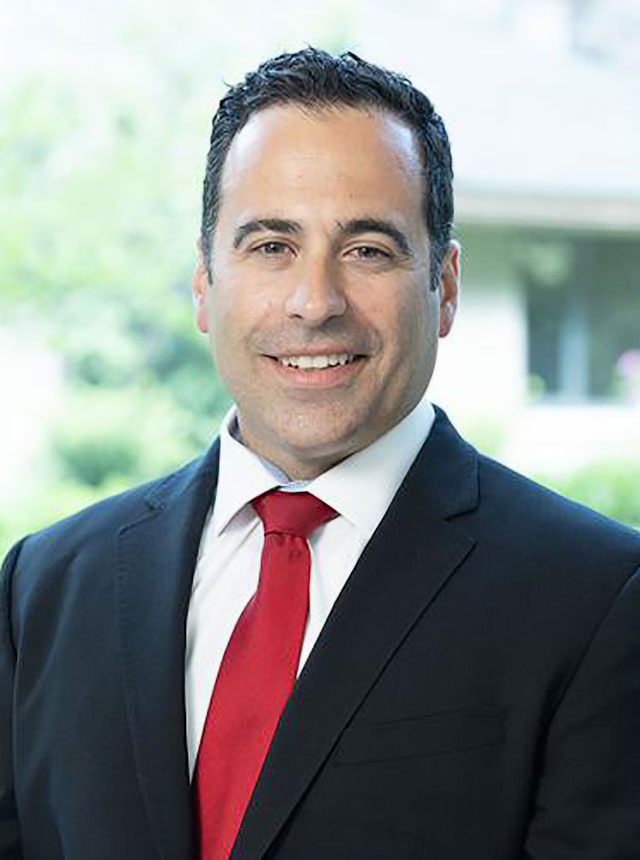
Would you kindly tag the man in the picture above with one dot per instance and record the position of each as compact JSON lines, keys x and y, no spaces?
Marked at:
{"x":466,"y":644}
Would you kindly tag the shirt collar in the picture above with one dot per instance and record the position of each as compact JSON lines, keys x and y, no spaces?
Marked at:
{"x":242,"y":476}
{"x":359,"y":488}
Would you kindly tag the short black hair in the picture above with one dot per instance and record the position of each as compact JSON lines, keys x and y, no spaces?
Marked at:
{"x":315,"y":79}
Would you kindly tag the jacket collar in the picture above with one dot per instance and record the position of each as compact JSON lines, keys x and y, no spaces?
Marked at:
{"x":157,"y":554}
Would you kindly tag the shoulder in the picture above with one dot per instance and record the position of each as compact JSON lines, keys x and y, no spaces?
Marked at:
{"x":87,"y":535}
{"x":531,"y":546}
{"x":532,"y":538}
{"x":513,"y":500}
{"x":497,"y":503}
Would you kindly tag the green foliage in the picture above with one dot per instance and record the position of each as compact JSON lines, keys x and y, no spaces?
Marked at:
{"x":609,"y":486}
{"x":109,"y":434}
{"x":99,"y":213}
{"x":93,"y":459}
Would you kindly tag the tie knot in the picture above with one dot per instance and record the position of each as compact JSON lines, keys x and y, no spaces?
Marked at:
{"x":292,"y":513}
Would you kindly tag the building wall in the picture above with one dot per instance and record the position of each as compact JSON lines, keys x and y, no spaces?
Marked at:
{"x":572,"y":298}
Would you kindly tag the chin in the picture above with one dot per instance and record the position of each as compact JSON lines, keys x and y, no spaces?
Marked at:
{"x":309,"y":441}
{"x":320,"y":446}
{"x":318,"y":433}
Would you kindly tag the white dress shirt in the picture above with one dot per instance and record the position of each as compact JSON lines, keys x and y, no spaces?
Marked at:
{"x":359,"y":488}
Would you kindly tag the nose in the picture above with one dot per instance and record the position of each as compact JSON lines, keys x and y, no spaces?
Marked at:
{"x":316,"y":296}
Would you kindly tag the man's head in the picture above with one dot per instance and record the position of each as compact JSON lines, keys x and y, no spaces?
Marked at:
{"x":316,"y":282}
{"x":315,"y":79}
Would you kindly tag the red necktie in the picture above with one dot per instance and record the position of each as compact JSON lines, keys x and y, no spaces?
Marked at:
{"x":258,"y":670}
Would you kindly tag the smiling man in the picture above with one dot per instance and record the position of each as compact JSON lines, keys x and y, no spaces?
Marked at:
{"x":342,"y":633}
{"x":317,"y":295}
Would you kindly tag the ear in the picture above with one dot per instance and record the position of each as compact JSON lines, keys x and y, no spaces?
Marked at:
{"x":199,"y":289}
{"x":450,"y":271}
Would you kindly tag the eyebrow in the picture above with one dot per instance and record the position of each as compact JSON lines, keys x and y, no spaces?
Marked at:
{"x":351,"y":228}
{"x":376,"y":225}
{"x":278,"y":225}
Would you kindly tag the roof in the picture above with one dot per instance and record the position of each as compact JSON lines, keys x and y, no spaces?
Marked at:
{"x":539,"y":119}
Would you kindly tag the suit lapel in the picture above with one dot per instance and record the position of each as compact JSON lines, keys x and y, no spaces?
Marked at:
{"x":156,"y":559}
{"x":410,"y":557}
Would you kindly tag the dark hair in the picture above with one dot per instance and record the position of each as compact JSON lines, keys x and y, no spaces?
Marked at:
{"x":314,"y":79}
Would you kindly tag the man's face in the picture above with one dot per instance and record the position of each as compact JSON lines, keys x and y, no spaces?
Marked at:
{"x":321,"y":318}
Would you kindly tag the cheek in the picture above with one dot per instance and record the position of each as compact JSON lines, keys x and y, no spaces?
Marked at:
{"x":416,"y":340}
{"x":237,"y":316}
{"x":407,"y":322}
{"x":223,"y":327}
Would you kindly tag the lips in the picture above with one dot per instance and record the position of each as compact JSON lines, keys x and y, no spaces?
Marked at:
{"x":317,"y":362}
{"x":313,"y":372}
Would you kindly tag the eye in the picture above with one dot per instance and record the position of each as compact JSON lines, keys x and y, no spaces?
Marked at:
{"x":272,"y":248}
{"x":370,"y":252}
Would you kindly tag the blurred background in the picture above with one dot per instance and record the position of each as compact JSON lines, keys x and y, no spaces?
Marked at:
{"x":105,"y":110}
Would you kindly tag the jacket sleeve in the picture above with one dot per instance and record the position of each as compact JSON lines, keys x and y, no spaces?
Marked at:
{"x":588,"y":799}
{"x":9,"y":830}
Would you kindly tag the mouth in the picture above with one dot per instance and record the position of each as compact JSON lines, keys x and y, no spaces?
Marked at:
{"x":317,"y":370}
{"x":318,"y":362}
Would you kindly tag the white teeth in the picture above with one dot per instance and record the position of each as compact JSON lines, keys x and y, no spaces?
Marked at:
{"x":316,"y":362}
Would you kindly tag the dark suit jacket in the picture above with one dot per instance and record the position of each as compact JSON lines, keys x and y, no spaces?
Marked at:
{"x":474,"y":695}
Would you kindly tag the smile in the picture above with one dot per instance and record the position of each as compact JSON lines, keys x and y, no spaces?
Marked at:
{"x":317,"y":362}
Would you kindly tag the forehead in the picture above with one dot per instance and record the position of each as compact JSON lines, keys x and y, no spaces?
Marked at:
{"x":287,"y":151}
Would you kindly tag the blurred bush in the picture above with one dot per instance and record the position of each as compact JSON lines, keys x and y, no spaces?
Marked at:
{"x":609,"y":486}
{"x":99,"y":204}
